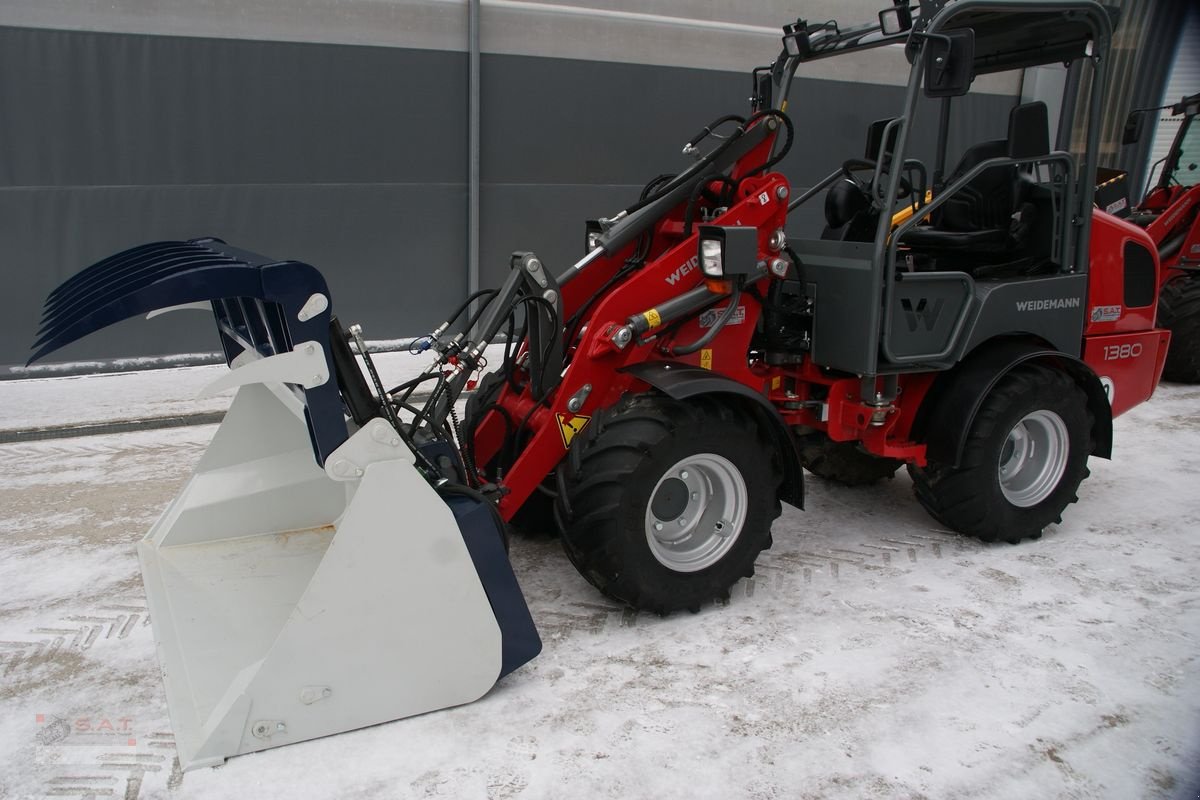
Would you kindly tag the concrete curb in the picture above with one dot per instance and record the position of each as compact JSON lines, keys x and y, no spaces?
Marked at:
{"x":16,"y":435}
{"x":114,"y":426}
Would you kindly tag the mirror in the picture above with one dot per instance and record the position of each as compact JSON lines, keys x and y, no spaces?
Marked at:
{"x":1135,"y":124}
{"x":895,"y":20}
{"x":949,"y":63}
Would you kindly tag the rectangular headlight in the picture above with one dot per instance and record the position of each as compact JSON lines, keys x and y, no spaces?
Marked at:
{"x":795,"y":39}
{"x":712,"y":259}
{"x":728,"y":250}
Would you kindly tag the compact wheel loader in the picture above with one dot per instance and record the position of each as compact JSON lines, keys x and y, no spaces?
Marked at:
{"x":657,"y":401}
{"x":1170,"y":213}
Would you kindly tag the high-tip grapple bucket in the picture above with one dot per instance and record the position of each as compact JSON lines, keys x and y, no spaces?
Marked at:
{"x":309,"y":578}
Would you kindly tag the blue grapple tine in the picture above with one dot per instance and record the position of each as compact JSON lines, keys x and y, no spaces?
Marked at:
{"x":127,"y":267}
{"x":93,"y":296}
{"x":105,"y":264}
{"x":256,"y":302}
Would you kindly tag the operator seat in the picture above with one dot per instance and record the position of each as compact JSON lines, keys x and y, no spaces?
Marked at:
{"x":990,"y":214}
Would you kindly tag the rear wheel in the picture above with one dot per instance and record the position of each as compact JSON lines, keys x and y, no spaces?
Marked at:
{"x":1022,"y":463}
{"x":1179,"y":312}
{"x":667,"y":503}
{"x":843,"y":462}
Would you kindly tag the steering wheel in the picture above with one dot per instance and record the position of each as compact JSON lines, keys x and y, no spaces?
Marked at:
{"x":853,"y":165}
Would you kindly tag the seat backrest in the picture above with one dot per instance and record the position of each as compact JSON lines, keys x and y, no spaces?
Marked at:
{"x":987,"y":200}
{"x":990,"y":198}
{"x":1028,"y":131}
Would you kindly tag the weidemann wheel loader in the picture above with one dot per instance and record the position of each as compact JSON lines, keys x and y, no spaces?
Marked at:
{"x":1170,"y":213}
{"x":974,"y":320}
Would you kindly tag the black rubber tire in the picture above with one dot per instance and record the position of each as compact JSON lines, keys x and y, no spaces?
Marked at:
{"x":843,"y":462}
{"x":536,"y":516}
{"x":968,"y":499}
{"x":605,"y":485}
{"x":1179,"y":312}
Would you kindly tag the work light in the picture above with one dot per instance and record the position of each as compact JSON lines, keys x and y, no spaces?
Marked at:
{"x":711,"y":258}
{"x":795,"y":39}
{"x":728,"y":251}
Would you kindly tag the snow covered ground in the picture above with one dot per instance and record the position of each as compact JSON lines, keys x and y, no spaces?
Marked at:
{"x":872,"y":656}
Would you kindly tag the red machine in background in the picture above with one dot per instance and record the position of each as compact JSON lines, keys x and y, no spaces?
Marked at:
{"x":1169,"y":213}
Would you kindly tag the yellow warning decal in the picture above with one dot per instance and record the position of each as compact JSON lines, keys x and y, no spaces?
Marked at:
{"x":775,"y":382}
{"x":569,"y":425}
{"x":706,"y":358}
{"x":653,"y":318}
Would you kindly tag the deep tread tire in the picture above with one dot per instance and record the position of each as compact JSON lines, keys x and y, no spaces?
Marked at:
{"x":610,"y":472}
{"x":843,"y":462}
{"x":1179,"y":312}
{"x":969,"y":499}
{"x":536,"y":516}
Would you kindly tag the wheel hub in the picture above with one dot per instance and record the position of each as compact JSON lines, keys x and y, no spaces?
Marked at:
{"x":696,"y":512}
{"x":670,"y":499}
{"x":1033,"y":458}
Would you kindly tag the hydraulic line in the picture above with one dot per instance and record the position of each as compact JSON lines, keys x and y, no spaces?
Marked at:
{"x":690,"y":212}
{"x":389,"y":411}
{"x":787,"y":142}
{"x":712,"y":332}
{"x":468,"y":462}
{"x":690,"y":172}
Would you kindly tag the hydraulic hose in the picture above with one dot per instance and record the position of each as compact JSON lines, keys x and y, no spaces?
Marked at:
{"x":712,"y":332}
{"x":787,"y":142}
{"x":677,"y":190}
{"x":690,"y":212}
{"x":688,"y":174}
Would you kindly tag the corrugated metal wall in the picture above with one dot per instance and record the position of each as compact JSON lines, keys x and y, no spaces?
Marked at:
{"x":1183,"y":80}
{"x":318,"y":142}
{"x":1144,"y":45}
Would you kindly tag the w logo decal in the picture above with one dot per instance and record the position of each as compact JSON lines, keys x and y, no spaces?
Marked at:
{"x":923,"y":314}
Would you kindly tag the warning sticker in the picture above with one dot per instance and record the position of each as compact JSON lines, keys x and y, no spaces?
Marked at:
{"x":652,"y":317}
{"x":569,"y":425}
{"x":1106,"y":313}
{"x":706,"y":358}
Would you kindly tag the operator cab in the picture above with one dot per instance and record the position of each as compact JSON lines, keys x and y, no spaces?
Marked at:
{"x":1000,"y":221}
{"x":960,"y":245}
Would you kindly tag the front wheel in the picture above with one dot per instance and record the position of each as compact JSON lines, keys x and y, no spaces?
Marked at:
{"x":1022,"y":463}
{"x":668,"y":503}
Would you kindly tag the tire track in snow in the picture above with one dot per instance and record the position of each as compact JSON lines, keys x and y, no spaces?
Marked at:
{"x":777,"y":572}
{"x":73,"y":634}
{"x":86,"y":771}
{"x":113,"y":446}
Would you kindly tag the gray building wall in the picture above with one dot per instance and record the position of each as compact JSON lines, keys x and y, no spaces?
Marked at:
{"x":351,"y":155}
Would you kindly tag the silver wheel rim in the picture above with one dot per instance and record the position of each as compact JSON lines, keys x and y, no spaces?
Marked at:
{"x":696,"y":512}
{"x":1033,"y":458}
